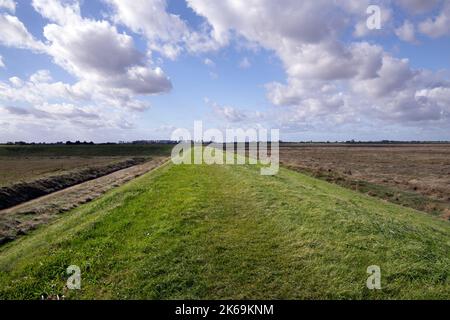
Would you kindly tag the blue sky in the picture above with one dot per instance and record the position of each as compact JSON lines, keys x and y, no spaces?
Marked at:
{"x":109,"y":70}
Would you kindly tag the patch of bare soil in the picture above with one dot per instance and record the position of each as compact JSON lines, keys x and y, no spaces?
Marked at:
{"x":23,"y":218}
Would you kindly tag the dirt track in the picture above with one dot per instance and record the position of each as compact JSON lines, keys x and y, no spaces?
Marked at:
{"x":21,"y":219}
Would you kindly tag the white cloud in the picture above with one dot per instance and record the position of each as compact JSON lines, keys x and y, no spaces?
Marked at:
{"x":58,"y":11}
{"x":303,"y":34}
{"x":61,"y":122}
{"x":331,"y":60}
{"x":165,"y":32}
{"x":208,"y":62}
{"x":110,"y":71}
{"x":38,"y":89}
{"x":438,"y":26}
{"x":230,"y":114}
{"x":41,"y":88}
{"x":404,"y":95}
{"x":15,"y":34}
{"x":111,"y":76}
{"x":406,"y":32}
{"x":2,"y":64}
{"x":327,"y":79}
{"x":161,"y":28}
{"x":393,"y":76}
{"x":227,"y":113}
{"x":62,"y":109}
{"x":97,"y":52}
{"x":418,"y":6}
{"x":9,"y":5}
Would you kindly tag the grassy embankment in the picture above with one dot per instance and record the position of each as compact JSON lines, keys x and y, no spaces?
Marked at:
{"x":227,"y":232}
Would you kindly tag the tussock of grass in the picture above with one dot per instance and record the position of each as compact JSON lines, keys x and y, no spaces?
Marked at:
{"x":219,"y":232}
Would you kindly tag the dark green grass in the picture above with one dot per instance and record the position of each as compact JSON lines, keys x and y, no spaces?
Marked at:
{"x":105,"y":150}
{"x":226,"y":232}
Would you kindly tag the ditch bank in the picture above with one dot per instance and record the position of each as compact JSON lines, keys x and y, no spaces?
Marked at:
{"x":19,"y":220}
{"x":25,"y":191}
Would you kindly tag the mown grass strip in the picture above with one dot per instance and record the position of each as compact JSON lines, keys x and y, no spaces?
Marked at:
{"x":219,"y":232}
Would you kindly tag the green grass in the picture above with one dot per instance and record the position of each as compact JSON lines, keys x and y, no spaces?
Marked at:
{"x":222,"y":232}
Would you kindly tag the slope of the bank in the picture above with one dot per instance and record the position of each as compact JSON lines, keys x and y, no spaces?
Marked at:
{"x":227,"y":232}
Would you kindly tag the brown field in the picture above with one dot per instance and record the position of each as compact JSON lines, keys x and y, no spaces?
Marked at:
{"x":416,"y":176}
{"x":24,"y":169}
{"x":21,"y":219}
{"x":31,"y":162}
{"x":38,"y":183}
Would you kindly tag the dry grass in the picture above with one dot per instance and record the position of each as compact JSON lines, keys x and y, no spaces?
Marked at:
{"x":412,"y":175}
{"x":21,"y":219}
{"x":24,"y":169}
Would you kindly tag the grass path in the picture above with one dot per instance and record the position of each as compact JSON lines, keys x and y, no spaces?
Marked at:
{"x":213,"y":232}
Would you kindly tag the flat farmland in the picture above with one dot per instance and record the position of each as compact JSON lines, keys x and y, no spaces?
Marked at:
{"x":413,"y":175}
{"x":227,"y":232}
{"x":27,"y":163}
{"x":39,"y":183}
{"x":24,"y":169}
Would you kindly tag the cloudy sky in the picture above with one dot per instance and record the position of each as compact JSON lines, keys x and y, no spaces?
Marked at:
{"x":109,"y":70}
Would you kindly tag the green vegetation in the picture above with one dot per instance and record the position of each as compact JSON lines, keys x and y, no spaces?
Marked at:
{"x":213,"y":232}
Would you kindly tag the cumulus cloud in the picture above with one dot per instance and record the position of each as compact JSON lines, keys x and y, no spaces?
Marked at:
{"x":393,"y":76}
{"x":438,"y":26}
{"x":96,"y":52}
{"x":40,"y":87}
{"x":112,"y":76}
{"x":327,"y":78}
{"x":163,"y":28}
{"x":15,"y":34}
{"x":418,"y":6}
{"x":9,"y":5}
{"x":39,"y":101}
{"x":54,"y":111}
{"x":37,"y":89}
{"x":2,"y":64}
{"x":108,"y":66}
{"x":406,"y":32}
{"x":165,"y":32}
{"x":333,"y":73}
{"x":302,"y":33}
{"x":403,"y":94}
{"x":60,"y":122}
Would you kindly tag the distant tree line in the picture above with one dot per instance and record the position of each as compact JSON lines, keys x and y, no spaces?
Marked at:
{"x":23,"y":143}
{"x":78,"y":142}
{"x":367,"y":142}
{"x":144,"y":142}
